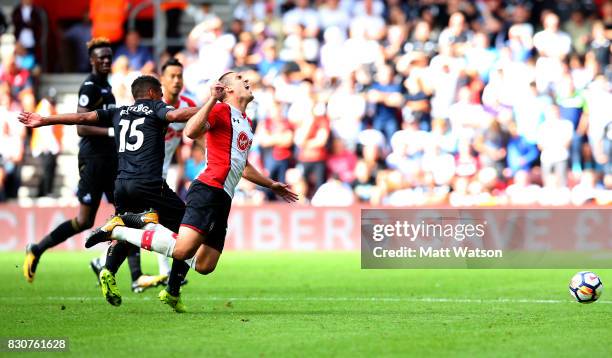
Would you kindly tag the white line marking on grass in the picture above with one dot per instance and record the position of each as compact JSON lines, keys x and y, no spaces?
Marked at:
{"x":316,"y":299}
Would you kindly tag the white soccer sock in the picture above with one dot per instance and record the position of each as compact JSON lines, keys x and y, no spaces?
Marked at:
{"x":103,"y":256}
{"x":164,"y":266}
{"x":191,"y":262}
{"x":161,"y":240}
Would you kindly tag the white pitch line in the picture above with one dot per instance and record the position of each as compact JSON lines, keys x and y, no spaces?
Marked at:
{"x":318,"y":299}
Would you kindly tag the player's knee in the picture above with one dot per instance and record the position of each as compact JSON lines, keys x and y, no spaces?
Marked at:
{"x":182,"y":254}
{"x":205,"y":269}
{"x":84,"y":223}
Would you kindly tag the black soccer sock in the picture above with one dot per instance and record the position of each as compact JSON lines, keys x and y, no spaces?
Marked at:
{"x":177,"y":275}
{"x":134,"y":262}
{"x":116,"y":254}
{"x":60,"y":234}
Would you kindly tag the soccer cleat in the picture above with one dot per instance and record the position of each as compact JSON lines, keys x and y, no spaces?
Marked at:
{"x":109,"y":287}
{"x":103,"y":233}
{"x":145,"y":281}
{"x":29,"y":264}
{"x":96,"y":267}
{"x":139,"y":220}
{"x":172,"y":301}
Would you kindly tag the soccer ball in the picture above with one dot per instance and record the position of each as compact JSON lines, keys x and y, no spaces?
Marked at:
{"x":586,"y":287}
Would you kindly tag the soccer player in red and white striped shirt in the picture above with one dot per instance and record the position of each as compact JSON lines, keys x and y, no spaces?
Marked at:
{"x":172,"y":85}
{"x":201,"y":237}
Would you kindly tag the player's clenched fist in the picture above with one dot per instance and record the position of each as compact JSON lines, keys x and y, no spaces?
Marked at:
{"x":31,"y":120}
{"x":217,"y":91}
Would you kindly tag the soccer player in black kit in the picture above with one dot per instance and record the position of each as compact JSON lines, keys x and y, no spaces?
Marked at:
{"x":97,"y":167}
{"x":139,"y":136}
{"x":97,"y":156}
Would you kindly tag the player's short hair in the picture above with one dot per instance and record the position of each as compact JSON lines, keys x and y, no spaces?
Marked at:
{"x":97,"y":42}
{"x":171,"y":62}
{"x":143,"y":84}
{"x":224,"y":79}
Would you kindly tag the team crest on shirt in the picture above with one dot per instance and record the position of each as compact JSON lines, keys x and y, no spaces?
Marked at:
{"x":243,"y":141}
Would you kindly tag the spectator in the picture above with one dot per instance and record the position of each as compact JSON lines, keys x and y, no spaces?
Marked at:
{"x":490,"y":144}
{"x":300,"y":45}
{"x":364,"y":183}
{"x":522,"y":154}
{"x":597,"y":119}
{"x":332,"y":61}
{"x":137,"y":55}
{"x":600,"y":44}
{"x":554,"y":139}
{"x":571,"y":103}
{"x":341,"y":161}
{"x":333,"y":193}
{"x":372,"y":144}
{"x":522,"y":191}
{"x":19,"y":79}
{"x":270,"y":65}
{"x":367,"y":15}
{"x":480,"y":56}
{"x":421,"y":40}
{"x":444,"y":138}
{"x":210,"y":39}
{"x":551,"y":42}
{"x":12,"y":136}
{"x":120,"y":80}
{"x":46,"y":145}
{"x":275,"y":137}
{"x":25,"y":60}
{"x":529,"y":112}
{"x":76,"y":37}
{"x":332,"y":15}
{"x":457,"y":33}
{"x":28,"y":21}
{"x":520,"y":42}
{"x":579,"y":29}
{"x":250,"y":12}
{"x":408,"y":147}
{"x":417,"y":102}
{"x":194,"y":164}
{"x":311,"y":138}
{"x":301,"y":16}
{"x":201,"y":12}
{"x":386,"y":99}
{"x":604,"y":155}
{"x":346,"y":108}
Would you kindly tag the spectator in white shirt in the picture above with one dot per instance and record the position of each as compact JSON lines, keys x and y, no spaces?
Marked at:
{"x":302,"y":15}
{"x":554,"y":138}
{"x":552,"y":42}
{"x":332,"y":15}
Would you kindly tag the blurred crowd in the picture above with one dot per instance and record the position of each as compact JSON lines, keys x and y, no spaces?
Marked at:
{"x":401,"y":103}
{"x":19,"y":74}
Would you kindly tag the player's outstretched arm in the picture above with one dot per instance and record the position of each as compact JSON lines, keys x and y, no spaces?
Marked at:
{"x":34,"y":120}
{"x":251,"y":174}
{"x":181,"y":114}
{"x":86,"y":130}
{"x":198,"y":123}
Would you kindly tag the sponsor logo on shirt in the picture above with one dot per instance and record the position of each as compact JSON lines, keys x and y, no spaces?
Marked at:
{"x":243,"y":141}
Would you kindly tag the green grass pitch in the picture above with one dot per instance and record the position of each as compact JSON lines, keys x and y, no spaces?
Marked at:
{"x":307,"y":304}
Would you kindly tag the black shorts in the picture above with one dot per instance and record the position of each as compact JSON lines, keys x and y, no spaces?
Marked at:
{"x":97,"y":177}
{"x":207,"y":212}
{"x":135,"y":196}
